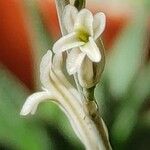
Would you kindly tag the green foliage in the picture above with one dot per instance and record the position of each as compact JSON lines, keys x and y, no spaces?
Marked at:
{"x":15,"y":131}
{"x":126,"y":85}
{"x":127,"y":56}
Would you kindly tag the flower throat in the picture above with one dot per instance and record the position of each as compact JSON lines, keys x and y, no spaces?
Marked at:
{"x":82,"y":35}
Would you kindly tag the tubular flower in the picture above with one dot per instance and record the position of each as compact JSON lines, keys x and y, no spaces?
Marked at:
{"x":83,"y":30}
{"x":59,"y":90}
{"x":52,"y":80}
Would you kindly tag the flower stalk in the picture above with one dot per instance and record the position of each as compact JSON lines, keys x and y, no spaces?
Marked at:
{"x":80,"y":35}
{"x":90,"y":105}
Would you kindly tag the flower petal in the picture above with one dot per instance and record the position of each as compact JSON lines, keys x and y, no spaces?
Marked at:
{"x":32,"y":102}
{"x":69,"y":16}
{"x":57,"y":68}
{"x":74,"y":60}
{"x":84,"y":75}
{"x":58,"y":62}
{"x":91,"y":50}
{"x":46,"y":61}
{"x":84,"y":20}
{"x":67,"y":42}
{"x":45,"y":68}
{"x":99,"y":24}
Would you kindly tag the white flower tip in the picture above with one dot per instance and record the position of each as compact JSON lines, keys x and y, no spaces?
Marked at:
{"x":55,"y":47}
{"x":103,"y":19}
{"x":99,"y":24}
{"x":97,"y":58}
{"x":33,"y":101}
{"x":86,"y":12}
{"x":67,"y":42}
{"x":29,"y":105}
{"x":23,"y":114}
{"x":24,"y":111}
{"x":103,"y":15}
{"x":28,"y":109}
{"x":68,"y":17}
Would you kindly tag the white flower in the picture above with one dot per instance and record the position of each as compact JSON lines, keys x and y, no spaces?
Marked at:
{"x":83,"y":29}
{"x":59,"y":90}
{"x":51,"y":78}
{"x":89,"y":73}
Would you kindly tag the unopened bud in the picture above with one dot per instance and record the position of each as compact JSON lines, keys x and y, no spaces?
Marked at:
{"x":90,"y":72}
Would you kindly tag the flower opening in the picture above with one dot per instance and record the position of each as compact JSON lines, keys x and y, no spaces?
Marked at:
{"x":82,"y":34}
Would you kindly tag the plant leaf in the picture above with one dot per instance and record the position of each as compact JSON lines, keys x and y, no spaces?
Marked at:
{"x":17,"y":132}
{"x":127,"y":55}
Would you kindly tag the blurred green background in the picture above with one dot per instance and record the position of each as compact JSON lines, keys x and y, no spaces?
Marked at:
{"x":28,"y":28}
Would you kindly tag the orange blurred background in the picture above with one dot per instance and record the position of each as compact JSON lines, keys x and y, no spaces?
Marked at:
{"x":15,"y":41}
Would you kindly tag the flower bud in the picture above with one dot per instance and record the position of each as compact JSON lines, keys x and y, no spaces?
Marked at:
{"x":90,"y":72}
